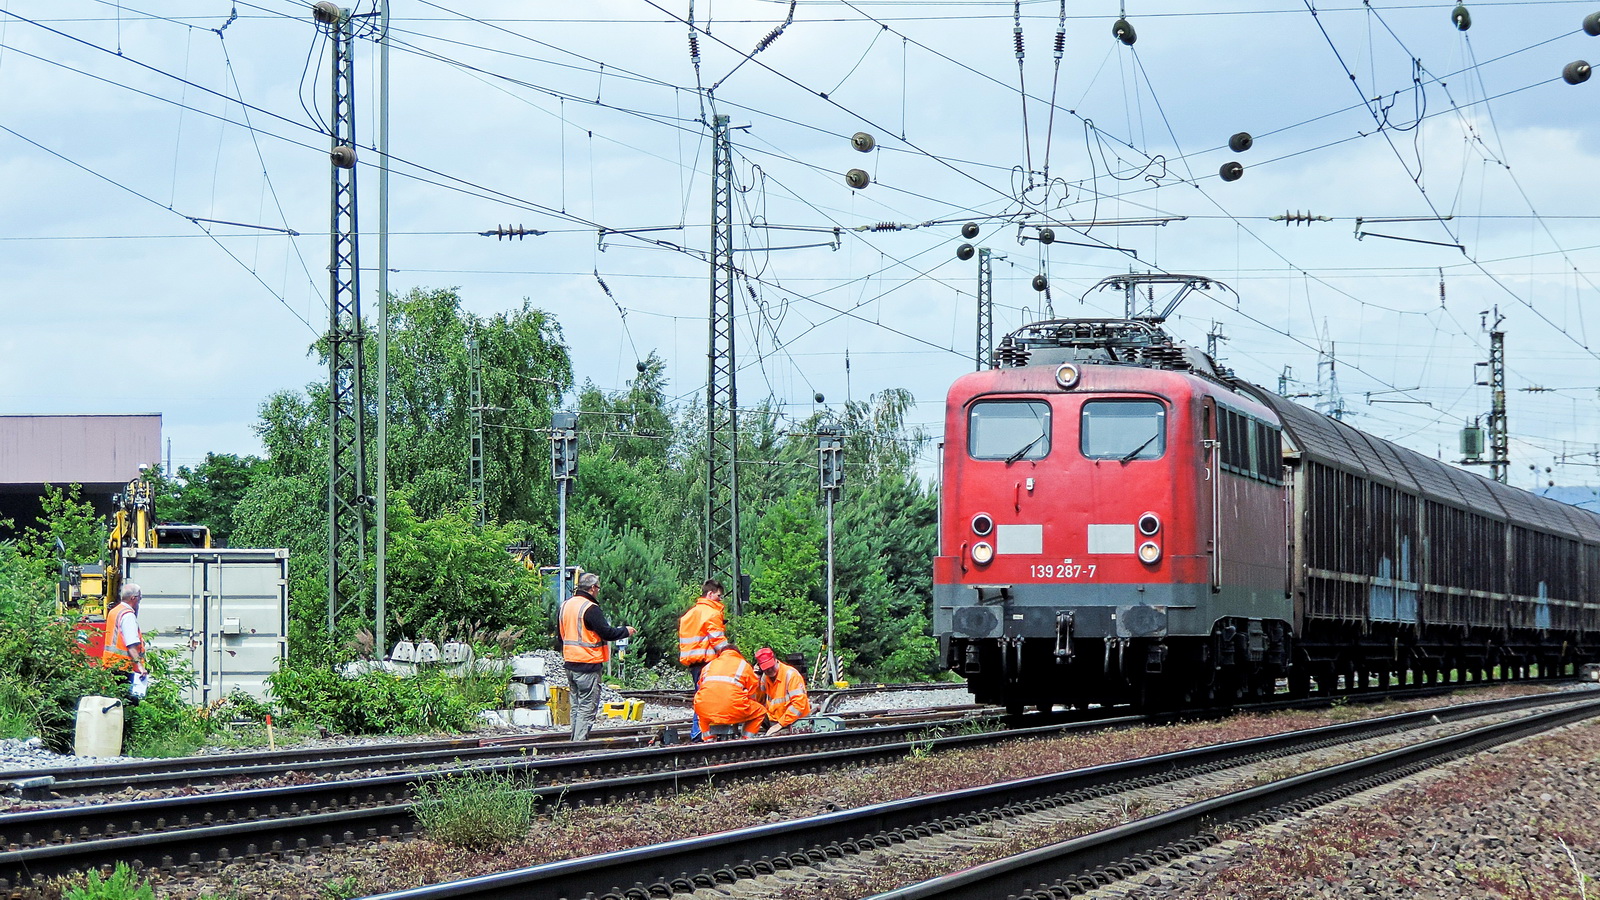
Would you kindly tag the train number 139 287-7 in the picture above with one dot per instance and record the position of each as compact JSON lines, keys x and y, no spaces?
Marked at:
{"x":1062,"y":570}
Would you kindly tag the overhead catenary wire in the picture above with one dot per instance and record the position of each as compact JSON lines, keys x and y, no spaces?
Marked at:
{"x":786,"y":278}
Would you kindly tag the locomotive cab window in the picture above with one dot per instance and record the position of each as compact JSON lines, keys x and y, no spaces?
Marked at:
{"x":1009,"y":430}
{"x":1124,"y":429}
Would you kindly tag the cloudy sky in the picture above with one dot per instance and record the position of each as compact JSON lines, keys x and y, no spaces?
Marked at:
{"x":154,"y":157}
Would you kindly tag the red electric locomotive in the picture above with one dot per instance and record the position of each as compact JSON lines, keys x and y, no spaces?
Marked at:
{"x":1121,"y":521}
{"x":1112,"y":523}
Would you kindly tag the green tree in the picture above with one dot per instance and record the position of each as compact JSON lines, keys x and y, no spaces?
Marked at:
{"x":884,"y":545}
{"x":447,"y":571}
{"x":290,"y":511}
{"x":787,"y":609}
{"x":524,"y":371}
{"x":207,"y":494}
{"x":636,"y":588}
{"x":67,"y":528}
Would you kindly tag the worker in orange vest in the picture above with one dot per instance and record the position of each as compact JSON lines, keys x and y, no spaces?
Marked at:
{"x":124,"y":644}
{"x":700,"y":629}
{"x":729,"y":693}
{"x":585,"y":632}
{"x":784,"y":690}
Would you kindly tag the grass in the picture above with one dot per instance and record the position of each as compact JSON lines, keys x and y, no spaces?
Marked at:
{"x":17,"y":722}
{"x":123,"y":884}
{"x":475,"y":812}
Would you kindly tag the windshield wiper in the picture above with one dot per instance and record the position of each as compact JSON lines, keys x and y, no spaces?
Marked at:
{"x":1139,"y":449}
{"x":1025,"y":448}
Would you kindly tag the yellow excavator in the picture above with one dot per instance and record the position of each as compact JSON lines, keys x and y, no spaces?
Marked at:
{"x":87,"y":592}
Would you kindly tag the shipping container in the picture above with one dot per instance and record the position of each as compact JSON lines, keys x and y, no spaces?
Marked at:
{"x":227,"y":609}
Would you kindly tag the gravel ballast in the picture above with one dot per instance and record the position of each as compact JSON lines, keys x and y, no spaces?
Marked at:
{"x":1514,"y":822}
{"x":374,"y":868}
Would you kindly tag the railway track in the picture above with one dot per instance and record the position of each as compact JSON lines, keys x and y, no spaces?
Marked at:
{"x":823,"y":700}
{"x":195,"y":829}
{"x":192,"y":831}
{"x":195,"y":771}
{"x":730,"y":863}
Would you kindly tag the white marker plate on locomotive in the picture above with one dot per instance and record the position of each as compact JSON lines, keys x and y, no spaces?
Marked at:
{"x":1017,"y":540}
{"x":1111,"y":539}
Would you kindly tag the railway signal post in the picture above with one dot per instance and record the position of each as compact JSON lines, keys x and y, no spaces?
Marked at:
{"x":564,"y":468}
{"x":830,"y":458}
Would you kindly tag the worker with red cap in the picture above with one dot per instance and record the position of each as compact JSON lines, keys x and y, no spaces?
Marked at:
{"x":729,"y":693}
{"x":784,"y":689}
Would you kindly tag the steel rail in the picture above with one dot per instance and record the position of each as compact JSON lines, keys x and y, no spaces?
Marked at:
{"x":701,"y":862}
{"x":75,"y":781}
{"x":300,"y":760}
{"x":196,"y":829}
{"x":1097,"y":859}
{"x":68,"y":781}
{"x":173,"y":831}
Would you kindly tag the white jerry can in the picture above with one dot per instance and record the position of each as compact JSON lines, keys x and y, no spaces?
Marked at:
{"x":99,"y":727}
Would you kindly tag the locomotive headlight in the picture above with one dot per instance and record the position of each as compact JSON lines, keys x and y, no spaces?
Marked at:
{"x":1067,"y":376}
{"x":1149,"y":524}
{"x":982,"y":553}
{"x":1149,"y":551}
{"x":982,"y":524}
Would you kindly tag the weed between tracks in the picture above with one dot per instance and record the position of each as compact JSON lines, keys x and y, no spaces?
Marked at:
{"x":475,"y":812}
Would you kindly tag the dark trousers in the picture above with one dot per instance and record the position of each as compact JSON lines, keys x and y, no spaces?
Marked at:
{"x":695,"y":669}
{"x":585,"y":701}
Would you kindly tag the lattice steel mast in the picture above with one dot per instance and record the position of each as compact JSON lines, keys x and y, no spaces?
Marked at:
{"x":347,"y":457}
{"x":1499,"y":433}
{"x":985,"y":354}
{"x":722,"y":408}
{"x":475,"y":465}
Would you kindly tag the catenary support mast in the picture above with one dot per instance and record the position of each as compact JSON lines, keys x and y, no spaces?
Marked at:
{"x":347,"y":458}
{"x":985,"y":354}
{"x":722,"y":408}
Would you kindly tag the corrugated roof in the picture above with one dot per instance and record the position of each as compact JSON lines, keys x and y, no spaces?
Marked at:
{"x":1312,"y":433}
{"x":77,"y":449}
{"x":1392,"y":458}
{"x":1585,"y":522}
{"x":1437,"y":481}
{"x":1333,"y":443}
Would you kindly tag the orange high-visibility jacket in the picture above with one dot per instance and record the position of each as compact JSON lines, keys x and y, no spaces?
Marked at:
{"x":116,"y":654}
{"x":579,"y":644}
{"x":786,"y":698}
{"x":728,"y":692}
{"x":700,"y":630}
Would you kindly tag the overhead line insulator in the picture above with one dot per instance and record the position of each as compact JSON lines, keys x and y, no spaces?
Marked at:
{"x":506,"y":232}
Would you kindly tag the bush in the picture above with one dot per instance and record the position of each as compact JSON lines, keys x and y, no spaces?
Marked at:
{"x":43,"y":674}
{"x":475,"y":812}
{"x":122,"y":885}
{"x":163,"y":724}
{"x":375,"y":703}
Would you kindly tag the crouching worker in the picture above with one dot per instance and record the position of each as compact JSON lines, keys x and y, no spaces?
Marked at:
{"x":729,"y":694}
{"x":784,"y":689}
